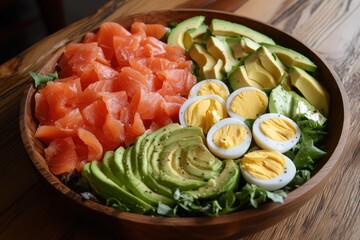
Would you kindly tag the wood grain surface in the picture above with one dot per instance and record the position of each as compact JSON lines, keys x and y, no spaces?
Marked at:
{"x":30,"y":209}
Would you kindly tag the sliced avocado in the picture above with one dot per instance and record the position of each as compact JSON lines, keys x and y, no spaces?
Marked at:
{"x":106,"y":188}
{"x":176,"y":35}
{"x":107,"y":167}
{"x":174,"y":145}
{"x":227,"y":180}
{"x":171,"y":171}
{"x":236,"y":48}
{"x":203,"y":58}
{"x":268,"y":61}
{"x":215,"y":72}
{"x":225,"y":28}
{"x":249,"y":45}
{"x":195,"y":35}
{"x":137,"y":186}
{"x":312,"y":90}
{"x":292,"y":58}
{"x":198,"y":161}
{"x":148,"y":145}
{"x":239,"y":78}
{"x":219,"y":49}
{"x":154,"y":150}
{"x":117,"y":167}
{"x":242,"y":46}
{"x":258,"y":73}
{"x":182,"y":133}
{"x":292,"y":105}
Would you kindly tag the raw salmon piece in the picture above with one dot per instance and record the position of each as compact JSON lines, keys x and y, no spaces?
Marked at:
{"x":144,"y":66}
{"x":180,"y":80}
{"x":127,"y":48}
{"x":49,"y":132}
{"x":72,"y":120}
{"x":96,"y":72}
{"x":81,"y":56}
{"x":92,"y":92}
{"x":172,"y":105}
{"x":42,"y":109}
{"x":102,"y":86}
{"x":89,"y":37}
{"x":137,"y":126}
{"x":115,"y":102}
{"x":173,"y":53}
{"x":114,"y":129}
{"x":153,"y":47}
{"x":61,"y":96}
{"x":166,"y":89}
{"x":94,"y":113}
{"x":185,"y":64}
{"x":151,"y":30}
{"x":154,"y":64}
{"x":105,"y":35}
{"x":94,"y":147}
{"x":146,"y":104}
{"x":175,"y":99}
{"x":61,"y":156}
{"x":170,"y":108}
{"x":140,"y":65}
{"x":105,"y":72}
{"x":81,"y":151}
{"x":132,"y":81}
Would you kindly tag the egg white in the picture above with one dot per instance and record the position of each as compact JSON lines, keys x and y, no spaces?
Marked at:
{"x":270,"y":144}
{"x":194,"y":91}
{"x":234,"y":94}
{"x":230,"y":153}
{"x":278,"y":182}
{"x":192,"y":100}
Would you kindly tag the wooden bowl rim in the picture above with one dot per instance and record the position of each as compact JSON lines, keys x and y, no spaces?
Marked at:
{"x":266,"y":209}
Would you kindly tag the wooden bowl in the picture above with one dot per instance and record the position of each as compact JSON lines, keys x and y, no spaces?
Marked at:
{"x":136,"y":226}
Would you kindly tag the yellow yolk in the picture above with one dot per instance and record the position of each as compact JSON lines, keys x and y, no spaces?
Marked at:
{"x":212,"y":88}
{"x":249,"y":104}
{"x":263,"y":164}
{"x":277,"y":129}
{"x":229,"y":136}
{"x":204,"y":113}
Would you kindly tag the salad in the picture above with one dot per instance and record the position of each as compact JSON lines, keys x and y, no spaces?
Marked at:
{"x":189,"y":119}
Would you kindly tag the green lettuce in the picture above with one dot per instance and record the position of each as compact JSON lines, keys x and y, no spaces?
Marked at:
{"x":43,"y":79}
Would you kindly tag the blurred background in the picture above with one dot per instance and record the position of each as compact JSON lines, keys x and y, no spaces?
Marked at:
{"x":25,"y":22}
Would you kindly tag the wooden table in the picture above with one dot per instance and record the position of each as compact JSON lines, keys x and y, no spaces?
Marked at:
{"x":30,"y":210}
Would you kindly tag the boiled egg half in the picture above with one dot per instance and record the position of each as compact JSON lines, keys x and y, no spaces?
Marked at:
{"x":229,"y":138}
{"x":202,"y":111}
{"x":210,"y":87}
{"x":274,"y":131}
{"x":247,"y":103}
{"x":268,"y":169}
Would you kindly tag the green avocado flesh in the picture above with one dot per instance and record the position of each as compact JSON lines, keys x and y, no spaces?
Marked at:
{"x":292,"y":105}
{"x":159,"y":163}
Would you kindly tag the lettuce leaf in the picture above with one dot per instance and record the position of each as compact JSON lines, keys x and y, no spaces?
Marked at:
{"x":306,"y":153}
{"x":43,"y":79}
{"x":252,"y":196}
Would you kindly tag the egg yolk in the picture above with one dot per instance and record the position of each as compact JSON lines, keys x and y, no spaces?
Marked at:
{"x":277,"y":129}
{"x":263,"y":164}
{"x":249,"y":104}
{"x":211,"y":88}
{"x":229,"y":136}
{"x":204,"y":113}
